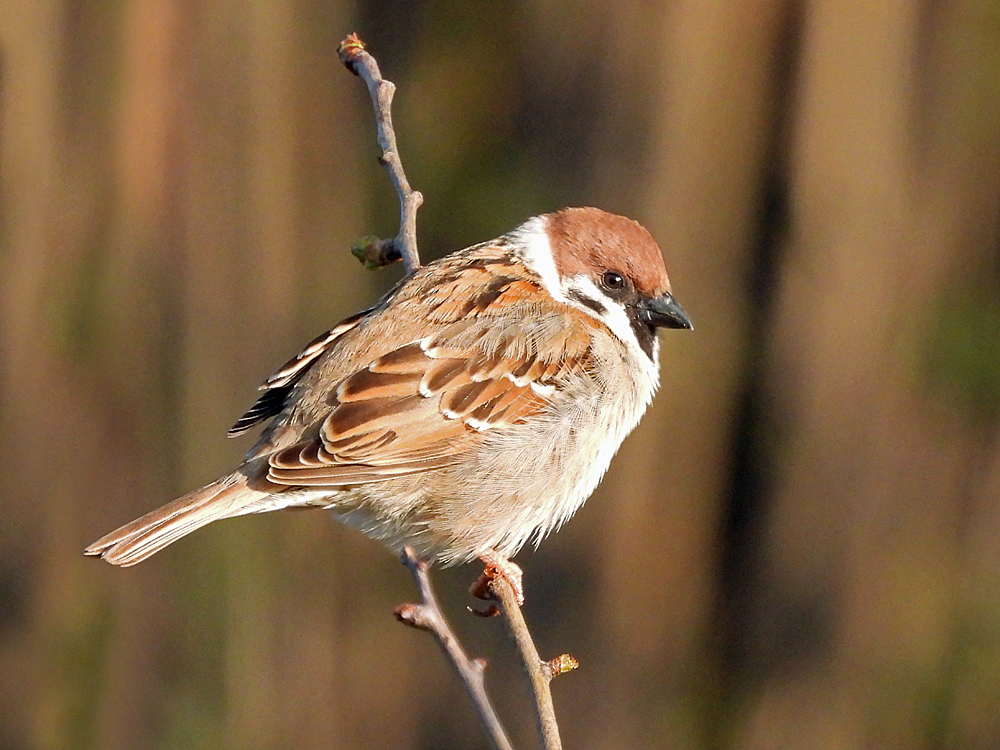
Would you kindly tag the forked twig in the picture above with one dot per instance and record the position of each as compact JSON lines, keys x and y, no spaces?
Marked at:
{"x":428,"y":616}
{"x":540,"y":673}
{"x":372,"y":251}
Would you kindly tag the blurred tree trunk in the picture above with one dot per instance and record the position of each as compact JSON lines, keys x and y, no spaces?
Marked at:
{"x":714,"y":104}
{"x":862,"y":625}
{"x":174,"y":183}
{"x":29,"y":166}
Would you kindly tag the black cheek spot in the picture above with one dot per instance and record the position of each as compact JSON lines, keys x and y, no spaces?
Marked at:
{"x":589,"y":302}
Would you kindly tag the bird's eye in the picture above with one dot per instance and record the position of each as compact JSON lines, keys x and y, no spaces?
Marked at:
{"x":613,"y":280}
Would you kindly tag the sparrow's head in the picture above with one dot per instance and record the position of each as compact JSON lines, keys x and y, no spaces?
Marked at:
{"x":606,"y":265}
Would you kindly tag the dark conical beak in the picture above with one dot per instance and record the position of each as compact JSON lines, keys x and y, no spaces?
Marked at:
{"x":664,"y":312}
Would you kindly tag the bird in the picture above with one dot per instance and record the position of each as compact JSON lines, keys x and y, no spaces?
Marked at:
{"x":470,"y":411}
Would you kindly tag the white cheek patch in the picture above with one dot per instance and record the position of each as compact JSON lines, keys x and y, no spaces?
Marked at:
{"x":608,"y":311}
{"x":536,"y":253}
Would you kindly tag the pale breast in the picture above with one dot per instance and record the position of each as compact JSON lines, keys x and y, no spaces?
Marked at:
{"x":524,"y":481}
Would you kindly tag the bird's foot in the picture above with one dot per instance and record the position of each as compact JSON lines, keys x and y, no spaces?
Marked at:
{"x":498,"y":566}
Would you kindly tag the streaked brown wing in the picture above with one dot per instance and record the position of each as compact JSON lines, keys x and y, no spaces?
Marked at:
{"x":422,"y":405}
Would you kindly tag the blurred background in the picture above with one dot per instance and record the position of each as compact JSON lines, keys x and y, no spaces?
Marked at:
{"x":797,"y":548}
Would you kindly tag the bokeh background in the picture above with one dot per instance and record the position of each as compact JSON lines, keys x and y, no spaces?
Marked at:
{"x":799,"y":547}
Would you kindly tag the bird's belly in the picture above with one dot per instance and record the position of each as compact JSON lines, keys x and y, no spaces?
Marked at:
{"x":520,"y":484}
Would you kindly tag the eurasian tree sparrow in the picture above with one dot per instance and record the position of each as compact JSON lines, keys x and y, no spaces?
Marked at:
{"x":471,"y":410}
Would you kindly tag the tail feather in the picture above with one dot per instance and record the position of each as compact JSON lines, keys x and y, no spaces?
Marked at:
{"x":146,"y":536}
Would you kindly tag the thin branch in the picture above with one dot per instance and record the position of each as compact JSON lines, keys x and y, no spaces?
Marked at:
{"x":428,"y":616}
{"x":373,"y":252}
{"x":380,"y":252}
{"x":540,"y":673}
{"x":494,"y":584}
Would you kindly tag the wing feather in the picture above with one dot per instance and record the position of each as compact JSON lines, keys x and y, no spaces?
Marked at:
{"x":424,"y":403}
{"x":391,"y":419}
